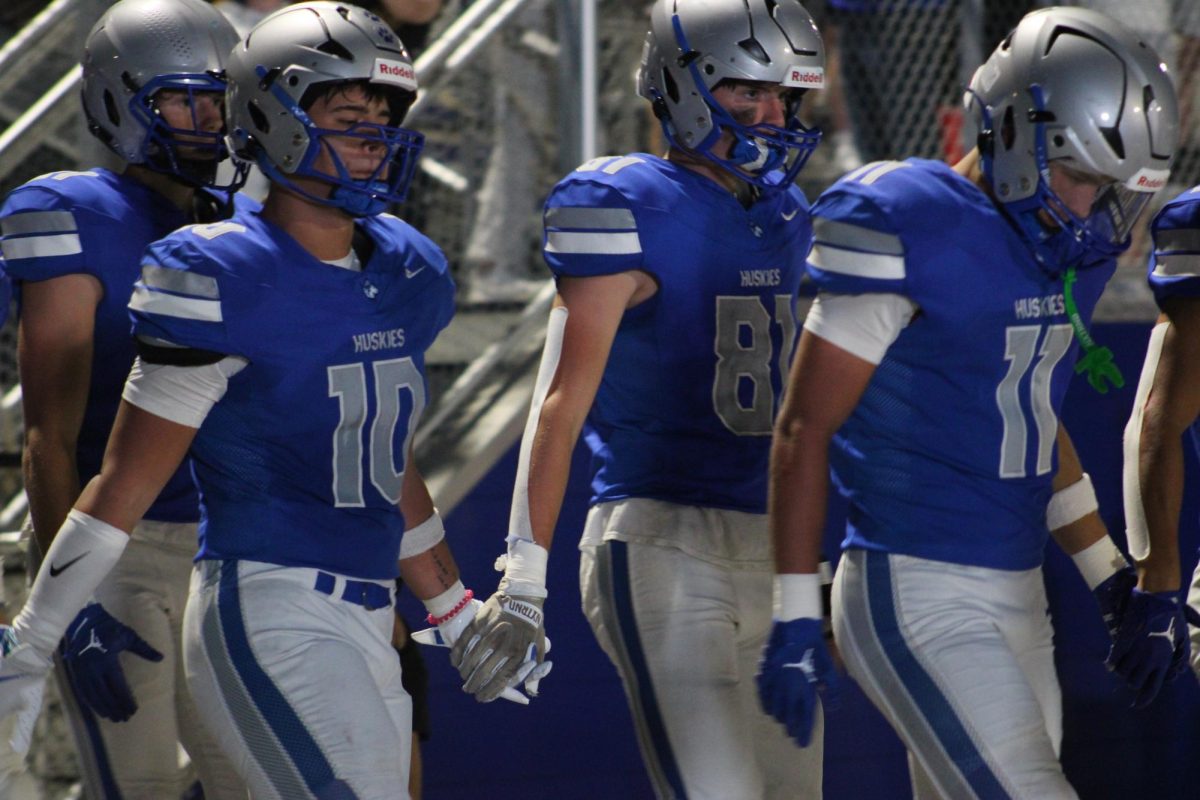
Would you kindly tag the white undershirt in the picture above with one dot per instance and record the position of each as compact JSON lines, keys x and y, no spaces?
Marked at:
{"x":864,"y":325}
{"x":186,"y":394}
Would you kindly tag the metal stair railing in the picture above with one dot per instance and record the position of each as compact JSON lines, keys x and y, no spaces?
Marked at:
{"x":483,"y":413}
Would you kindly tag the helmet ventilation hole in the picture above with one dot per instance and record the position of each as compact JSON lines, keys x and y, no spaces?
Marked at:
{"x":110,"y":108}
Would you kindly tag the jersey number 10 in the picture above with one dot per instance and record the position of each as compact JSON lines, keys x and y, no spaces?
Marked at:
{"x":347,"y":382}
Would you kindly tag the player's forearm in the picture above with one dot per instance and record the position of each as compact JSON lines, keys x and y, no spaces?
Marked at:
{"x":51,"y":483}
{"x":1161,"y":476}
{"x":430,"y":573}
{"x":798,"y":496}
{"x":549,"y":469}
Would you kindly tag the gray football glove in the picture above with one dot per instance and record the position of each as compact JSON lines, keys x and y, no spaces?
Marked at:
{"x":504,"y":645}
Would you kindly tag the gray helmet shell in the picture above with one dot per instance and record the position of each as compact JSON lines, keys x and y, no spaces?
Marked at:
{"x":136,"y":41}
{"x":772,"y":41}
{"x":1109,"y":103}
{"x":292,"y":50}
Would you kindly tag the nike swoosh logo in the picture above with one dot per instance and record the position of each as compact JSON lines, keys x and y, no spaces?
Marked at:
{"x":56,"y":571}
{"x":789,"y":217}
{"x":408,"y":273}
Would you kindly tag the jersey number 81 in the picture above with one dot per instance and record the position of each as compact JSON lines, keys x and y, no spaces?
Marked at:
{"x":744,"y":353}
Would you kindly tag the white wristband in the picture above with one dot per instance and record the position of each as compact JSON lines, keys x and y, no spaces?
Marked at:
{"x":423,"y":537}
{"x":1071,"y":504}
{"x":82,"y":554}
{"x":1099,"y":561}
{"x":524,"y":568}
{"x":444,"y":603}
{"x":798,"y":596}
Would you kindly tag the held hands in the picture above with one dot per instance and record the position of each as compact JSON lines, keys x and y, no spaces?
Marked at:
{"x":23,"y":674}
{"x":90,"y":653}
{"x":1149,"y":634}
{"x":506,"y":643}
{"x":796,"y":666}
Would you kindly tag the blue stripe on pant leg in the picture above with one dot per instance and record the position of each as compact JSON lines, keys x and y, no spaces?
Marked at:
{"x":654,"y":727}
{"x":951,"y":734}
{"x":298,"y":745}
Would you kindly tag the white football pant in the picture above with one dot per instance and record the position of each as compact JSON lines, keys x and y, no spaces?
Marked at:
{"x":138,"y":759}
{"x":683,"y":609}
{"x":302,"y":686}
{"x":960,"y":660}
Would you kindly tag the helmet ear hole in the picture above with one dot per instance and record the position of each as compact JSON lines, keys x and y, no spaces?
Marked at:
{"x":670,"y":86}
{"x":1008,"y":129}
{"x":110,"y":108}
{"x":258,"y":118}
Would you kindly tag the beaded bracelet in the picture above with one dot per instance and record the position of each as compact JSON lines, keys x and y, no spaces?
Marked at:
{"x":466,"y":598}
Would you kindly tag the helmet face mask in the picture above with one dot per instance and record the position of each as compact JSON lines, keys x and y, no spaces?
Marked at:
{"x":291,"y":59}
{"x":1071,"y":86}
{"x":187,"y":152}
{"x":695,"y":46}
{"x":140,"y":48}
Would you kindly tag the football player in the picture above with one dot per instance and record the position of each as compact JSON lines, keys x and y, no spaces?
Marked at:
{"x":930,"y":375}
{"x":153,"y":93}
{"x":285,"y":347}
{"x":672,"y":329}
{"x":1167,"y":404}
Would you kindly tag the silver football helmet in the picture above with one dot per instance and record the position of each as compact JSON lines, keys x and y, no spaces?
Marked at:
{"x":283,"y":65}
{"x":1072,"y":84}
{"x":693,"y":45}
{"x":139,"y":48}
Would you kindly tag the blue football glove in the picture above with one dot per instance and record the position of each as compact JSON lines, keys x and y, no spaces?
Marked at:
{"x":90,"y":651}
{"x":795,"y":667}
{"x":1149,"y":634}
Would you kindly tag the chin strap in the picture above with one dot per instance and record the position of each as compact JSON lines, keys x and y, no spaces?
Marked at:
{"x":1097,"y":361}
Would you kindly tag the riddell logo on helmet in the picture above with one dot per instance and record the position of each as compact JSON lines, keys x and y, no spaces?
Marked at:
{"x":808,"y":77}
{"x":397,"y":72}
{"x":1148,"y":180}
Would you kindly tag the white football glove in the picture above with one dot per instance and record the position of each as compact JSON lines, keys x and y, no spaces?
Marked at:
{"x":23,"y":674}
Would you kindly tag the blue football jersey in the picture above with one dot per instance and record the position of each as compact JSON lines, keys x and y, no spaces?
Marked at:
{"x":95,"y":223}
{"x":951,"y":451}
{"x":1175,"y":260}
{"x":301,"y":462}
{"x":688,"y":398}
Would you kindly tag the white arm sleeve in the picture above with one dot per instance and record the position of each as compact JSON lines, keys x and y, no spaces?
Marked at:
{"x":1137,"y":531}
{"x":86,"y":547}
{"x":180,"y":394}
{"x":862,"y":324}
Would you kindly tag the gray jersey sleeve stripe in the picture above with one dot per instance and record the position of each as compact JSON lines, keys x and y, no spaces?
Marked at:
{"x":59,"y":244}
{"x":1177,"y":266}
{"x":1175,"y":240}
{"x":173,"y":280}
{"x":38,"y":222}
{"x":856,"y":237}
{"x":597,"y":219}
